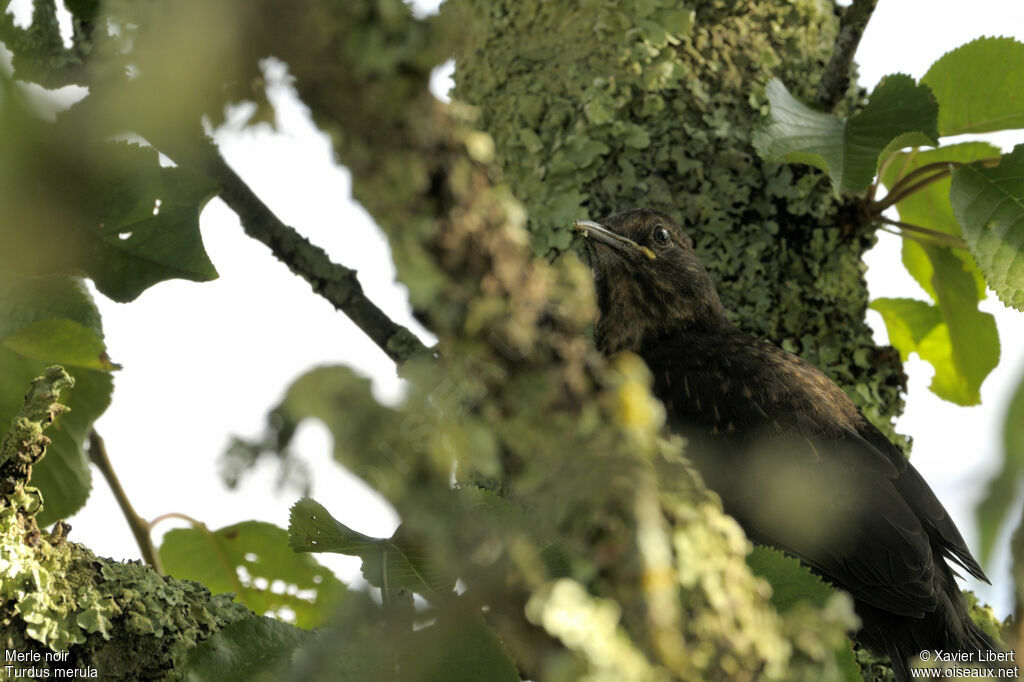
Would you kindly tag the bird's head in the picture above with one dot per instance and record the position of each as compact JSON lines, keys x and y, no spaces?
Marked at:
{"x":649,"y":280}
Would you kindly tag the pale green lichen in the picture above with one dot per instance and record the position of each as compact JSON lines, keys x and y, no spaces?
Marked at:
{"x":123,"y":620}
{"x":120,"y":618}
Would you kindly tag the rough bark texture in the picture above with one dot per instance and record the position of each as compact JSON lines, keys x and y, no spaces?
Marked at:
{"x":604,"y":556}
{"x":654,"y":106}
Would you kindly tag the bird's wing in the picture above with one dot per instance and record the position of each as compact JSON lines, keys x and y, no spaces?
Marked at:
{"x":800,"y":469}
{"x":816,"y":499}
{"x":926,"y":505}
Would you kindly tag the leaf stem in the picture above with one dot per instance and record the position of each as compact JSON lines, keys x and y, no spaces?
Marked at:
{"x":933,"y":236}
{"x":910,"y":183}
{"x":835,"y":80}
{"x":139,"y":526}
{"x":906,"y":189}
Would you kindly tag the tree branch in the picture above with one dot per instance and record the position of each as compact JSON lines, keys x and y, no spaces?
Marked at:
{"x":140,"y":527}
{"x":334,"y":282}
{"x":836,"y":78}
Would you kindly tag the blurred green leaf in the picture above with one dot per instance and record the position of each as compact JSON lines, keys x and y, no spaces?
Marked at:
{"x":793,"y":583}
{"x":978,"y":86}
{"x":107,"y":210}
{"x":989,"y":205}
{"x":899,"y":113}
{"x":253,"y":560}
{"x":1004,"y":486}
{"x":459,"y":647}
{"x":392,"y":564}
{"x":46,"y":321}
{"x":53,"y":320}
{"x":83,"y":10}
{"x":248,"y":650}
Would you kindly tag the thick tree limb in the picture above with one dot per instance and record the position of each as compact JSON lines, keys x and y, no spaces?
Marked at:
{"x":836,"y":78}
{"x":334,"y":282}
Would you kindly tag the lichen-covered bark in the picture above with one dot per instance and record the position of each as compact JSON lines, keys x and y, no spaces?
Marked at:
{"x":519,"y":400}
{"x":119,"y":620}
{"x":598,"y":107}
{"x":603,"y":557}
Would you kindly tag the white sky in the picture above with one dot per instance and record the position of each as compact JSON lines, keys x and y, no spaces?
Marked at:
{"x":205,"y":361}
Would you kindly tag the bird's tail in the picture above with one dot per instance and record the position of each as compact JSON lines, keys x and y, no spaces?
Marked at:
{"x":946,"y":637}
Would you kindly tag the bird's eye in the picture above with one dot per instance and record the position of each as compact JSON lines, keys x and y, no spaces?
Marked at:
{"x":661,"y":235}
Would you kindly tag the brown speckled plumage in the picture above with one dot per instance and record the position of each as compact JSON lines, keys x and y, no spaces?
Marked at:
{"x":792,"y":457}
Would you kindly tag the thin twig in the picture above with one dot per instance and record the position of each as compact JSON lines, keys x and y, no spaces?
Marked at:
{"x":334,"y":282}
{"x":932,"y":235}
{"x":836,"y":78}
{"x":139,"y":526}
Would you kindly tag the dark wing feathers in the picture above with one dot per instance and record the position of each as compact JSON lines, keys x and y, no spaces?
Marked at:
{"x":770,"y":429}
{"x":929,"y":510}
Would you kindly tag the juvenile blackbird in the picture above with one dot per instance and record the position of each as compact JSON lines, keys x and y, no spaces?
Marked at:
{"x":793,"y":459}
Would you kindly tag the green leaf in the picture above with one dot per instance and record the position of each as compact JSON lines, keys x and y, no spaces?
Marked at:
{"x":46,"y":321}
{"x":989,"y":205}
{"x":898,"y":113}
{"x":978,"y":86}
{"x":53,"y":320}
{"x":106,"y":210}
{"x":961,"y":343}
{"x":972,"y":334}
{"x":392,"y":564}
{"x":791,"y":581}
{"x":930,"y":206}
{"x":343,"y":401}
{"x":909,"y":322}
{"x":1003,"y":488}
{"x":253,"y":560}
{"x":244,"y":651}
{"x":958,"y":341}
{"x":459,"y":647}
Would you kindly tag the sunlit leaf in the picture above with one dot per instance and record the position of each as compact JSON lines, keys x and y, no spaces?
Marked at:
{"x":958,"y":341}
{"x":978,"y":86}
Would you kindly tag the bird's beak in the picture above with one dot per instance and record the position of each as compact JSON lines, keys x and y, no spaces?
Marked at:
{"x":591,"y":230}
